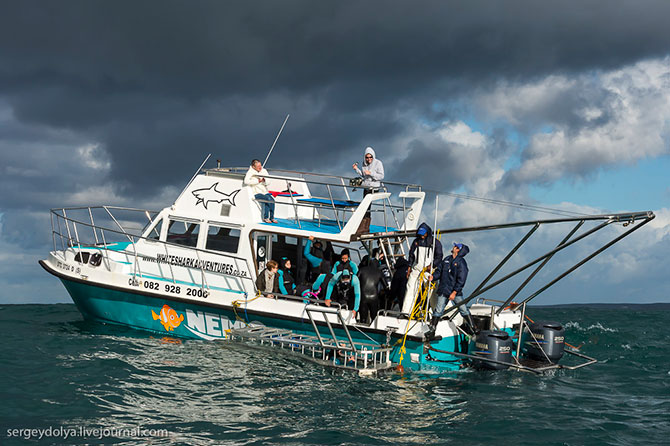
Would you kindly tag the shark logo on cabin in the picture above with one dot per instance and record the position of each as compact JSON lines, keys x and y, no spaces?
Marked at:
{"x":210,"y":194}
{"x":168,"y":317}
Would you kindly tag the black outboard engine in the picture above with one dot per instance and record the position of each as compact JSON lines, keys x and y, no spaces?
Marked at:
{"x":492,"y":344}
{"x":547,"y":337}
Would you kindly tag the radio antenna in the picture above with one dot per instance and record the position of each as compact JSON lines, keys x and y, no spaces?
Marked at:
{"x":192,"y":178}
{"x":273,"y":144}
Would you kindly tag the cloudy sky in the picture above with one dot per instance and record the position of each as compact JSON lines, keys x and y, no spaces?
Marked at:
{"x":563,"y":104}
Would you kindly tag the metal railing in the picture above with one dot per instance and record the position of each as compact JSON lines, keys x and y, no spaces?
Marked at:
{"x":335,"y":188}
{"x":67,"y":232}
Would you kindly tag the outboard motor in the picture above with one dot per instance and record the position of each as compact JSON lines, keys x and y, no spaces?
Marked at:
{"x":481,"y":322}
{"x":492,"y":344}
{"x":547,"y":337}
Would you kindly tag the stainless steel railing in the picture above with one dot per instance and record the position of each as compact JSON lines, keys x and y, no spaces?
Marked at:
{"x":66,"y":232}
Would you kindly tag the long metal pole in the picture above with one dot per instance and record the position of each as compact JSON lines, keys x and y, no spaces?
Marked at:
{"x":507,"y":257}
{"x":586,"y":259}
{"x":275,"y":141}
{"x":537,"y":270}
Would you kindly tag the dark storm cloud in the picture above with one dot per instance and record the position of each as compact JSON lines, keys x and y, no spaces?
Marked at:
{"x":157,"y":85}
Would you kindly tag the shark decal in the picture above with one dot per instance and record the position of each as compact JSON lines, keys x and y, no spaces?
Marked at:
{"x":209,"y":194}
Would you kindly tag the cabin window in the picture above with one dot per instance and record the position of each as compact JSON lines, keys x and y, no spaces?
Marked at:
{"x":223,"y":239}
{"x":155,"y":233}
{"x":183,"y":233}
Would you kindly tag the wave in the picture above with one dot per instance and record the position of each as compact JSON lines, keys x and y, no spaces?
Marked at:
{"x":596,"y":326}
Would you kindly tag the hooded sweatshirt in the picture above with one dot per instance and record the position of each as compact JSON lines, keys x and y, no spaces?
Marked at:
{"x":376,"y":169}
{"x":252,"y":180}
{"x":419,"y":246}
{"x":452,"y":273}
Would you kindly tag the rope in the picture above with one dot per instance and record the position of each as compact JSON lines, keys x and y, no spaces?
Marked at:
{"x":531,"y":207}
{"x":236,"y":304}
{"x":423,"y":292}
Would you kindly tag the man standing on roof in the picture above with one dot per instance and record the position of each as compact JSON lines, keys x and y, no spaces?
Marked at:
{"x":255,"y":179}
{"x":373,"y":173}
{"x":452,"y":274}
{"x":420,"y":256}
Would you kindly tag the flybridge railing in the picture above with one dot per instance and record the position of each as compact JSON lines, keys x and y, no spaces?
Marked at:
{"x":73,"y":232}
{"x":634,"y":219}
{"x":332,"y":189}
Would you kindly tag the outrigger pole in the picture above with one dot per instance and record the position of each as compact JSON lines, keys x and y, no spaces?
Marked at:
{"x":647,"y":216}
{"x":275,"y":142}
{"x":607,"y":219}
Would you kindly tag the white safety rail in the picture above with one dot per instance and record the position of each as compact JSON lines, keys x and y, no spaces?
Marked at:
{"x":331,"y":200}
{"x":85,"y":236}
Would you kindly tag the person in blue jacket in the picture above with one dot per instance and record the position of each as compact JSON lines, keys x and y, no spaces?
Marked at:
{"x":452,"y":272}
{"x":348,"y":290}
{"x":286,"y":281}
{"x":345,"y":262}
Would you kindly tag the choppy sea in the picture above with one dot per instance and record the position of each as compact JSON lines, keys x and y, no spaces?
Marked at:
{"x":76,"y":382}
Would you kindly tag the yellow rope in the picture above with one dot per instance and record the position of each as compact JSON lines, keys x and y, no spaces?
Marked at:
{"x":422,"y":293}
{"x":236,"y":304}
{"x":418,"y":306}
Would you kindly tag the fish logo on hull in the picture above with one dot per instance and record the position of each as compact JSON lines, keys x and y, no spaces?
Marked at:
{"x":168,"y":317}
{"x":210,"y":194}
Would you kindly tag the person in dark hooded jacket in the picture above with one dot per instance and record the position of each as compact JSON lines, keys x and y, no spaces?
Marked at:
{"x":452,"y":273}
{"x":420,"y":257}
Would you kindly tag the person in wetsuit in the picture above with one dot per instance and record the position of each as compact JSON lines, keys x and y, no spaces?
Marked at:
{"x":347,"y":290}
{"x":286,"y":281}
{"x":398,"y":284}
{"x":321,"y":283}
{"x":345,"y":262}
{"x":314,"y":254}
{"x":371,"y":279}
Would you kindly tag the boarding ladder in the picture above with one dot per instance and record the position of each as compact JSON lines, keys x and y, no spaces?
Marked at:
{"x":365,"y":358}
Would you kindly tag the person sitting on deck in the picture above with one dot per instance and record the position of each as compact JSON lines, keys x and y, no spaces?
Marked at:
{"x":286,"y":281}
{"x":345,"y":262}
{"x":259,"y":188}
{"x":267,"y":281}
{"x":347,"y":291}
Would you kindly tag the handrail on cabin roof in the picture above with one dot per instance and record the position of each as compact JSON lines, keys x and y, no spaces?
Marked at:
{"x":242,"y":170}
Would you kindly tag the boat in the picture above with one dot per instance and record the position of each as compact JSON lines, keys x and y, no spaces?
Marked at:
{"x":190,"y":269}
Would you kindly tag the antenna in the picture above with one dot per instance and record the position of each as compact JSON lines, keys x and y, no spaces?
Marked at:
{"x":273,"y":144}
{"x":192,"y":178}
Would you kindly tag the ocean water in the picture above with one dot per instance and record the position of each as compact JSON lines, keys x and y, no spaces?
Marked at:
{"x":103,"y":384}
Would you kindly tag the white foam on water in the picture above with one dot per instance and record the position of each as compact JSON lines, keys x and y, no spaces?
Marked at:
{"x":596,"y":326}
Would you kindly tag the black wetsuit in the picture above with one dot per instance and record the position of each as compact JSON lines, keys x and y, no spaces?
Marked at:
{"x":398,"y":283}
{"x":372,"y":280}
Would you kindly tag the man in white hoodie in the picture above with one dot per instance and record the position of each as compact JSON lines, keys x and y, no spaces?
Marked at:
{"x":255,"y":179}
{"x":373,"y":174}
